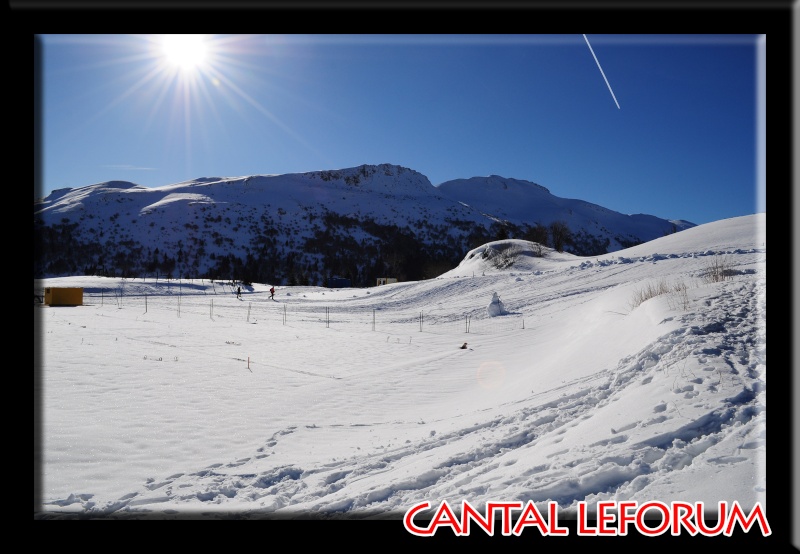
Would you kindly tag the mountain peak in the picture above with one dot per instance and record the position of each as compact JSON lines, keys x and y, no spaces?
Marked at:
{"x":363,"y":222}
{"x":381,"y":178}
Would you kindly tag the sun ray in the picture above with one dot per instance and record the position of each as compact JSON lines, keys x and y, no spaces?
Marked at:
{"x":181,"y":83}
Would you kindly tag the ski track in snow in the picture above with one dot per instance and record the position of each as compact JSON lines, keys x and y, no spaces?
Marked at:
{"x":706,"y":376}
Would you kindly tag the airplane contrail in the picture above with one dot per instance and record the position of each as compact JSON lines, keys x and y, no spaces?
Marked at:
{"x":601,"y":71}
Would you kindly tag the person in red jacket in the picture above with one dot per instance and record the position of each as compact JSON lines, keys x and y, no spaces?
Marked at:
{"x":272,"y":293}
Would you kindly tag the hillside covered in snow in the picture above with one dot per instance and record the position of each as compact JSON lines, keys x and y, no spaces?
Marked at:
{"x":359,"y":223}
{"x":632,"y":376}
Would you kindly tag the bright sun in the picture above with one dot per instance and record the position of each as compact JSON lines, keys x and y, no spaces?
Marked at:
{"x":185,"y":52}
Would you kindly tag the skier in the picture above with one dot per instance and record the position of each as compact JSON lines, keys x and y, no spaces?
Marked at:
{"x":239,"y":293}
{"x":272,"y":293}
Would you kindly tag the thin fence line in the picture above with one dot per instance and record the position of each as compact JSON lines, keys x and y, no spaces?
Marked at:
{"x":370,"y":318}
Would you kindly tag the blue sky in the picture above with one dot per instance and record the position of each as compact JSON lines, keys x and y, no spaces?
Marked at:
{"x":683,"y":143}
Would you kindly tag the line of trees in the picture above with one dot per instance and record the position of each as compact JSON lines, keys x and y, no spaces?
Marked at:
{"x":330,"y":249}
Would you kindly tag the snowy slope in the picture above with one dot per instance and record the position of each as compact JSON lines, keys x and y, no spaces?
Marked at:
{"x":316,"y":219}
{"x":169,"y":398}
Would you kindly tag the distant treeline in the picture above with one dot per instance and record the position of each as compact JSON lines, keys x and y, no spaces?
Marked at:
{"x":266,"y":251}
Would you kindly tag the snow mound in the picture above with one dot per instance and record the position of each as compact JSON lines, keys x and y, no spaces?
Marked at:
{"x":509,"y":254}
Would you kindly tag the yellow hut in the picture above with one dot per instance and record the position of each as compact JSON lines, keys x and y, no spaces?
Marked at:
{"x":63,"y":296}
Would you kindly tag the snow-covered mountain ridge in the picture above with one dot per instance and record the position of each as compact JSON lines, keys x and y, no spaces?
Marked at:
{"x":359,"y":223}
